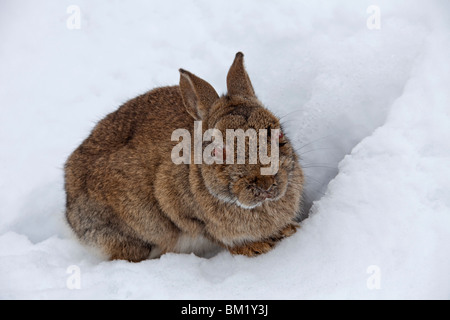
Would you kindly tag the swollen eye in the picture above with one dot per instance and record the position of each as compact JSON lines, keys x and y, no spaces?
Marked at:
{"x":219,"y":151}
{"x":281,"y":141}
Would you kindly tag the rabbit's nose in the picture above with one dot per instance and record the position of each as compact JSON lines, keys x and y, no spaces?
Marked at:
{"x":266,"y":184}
{"x":268,"y":190}
{"x":266,"y":194}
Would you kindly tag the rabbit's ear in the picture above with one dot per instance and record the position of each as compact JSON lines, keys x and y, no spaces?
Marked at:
{"x":198,"y":95}
{"x":238,"y":82}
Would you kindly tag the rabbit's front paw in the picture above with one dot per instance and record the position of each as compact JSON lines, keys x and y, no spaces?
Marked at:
{"x":254,"y":248}
{"x":288,"y":231}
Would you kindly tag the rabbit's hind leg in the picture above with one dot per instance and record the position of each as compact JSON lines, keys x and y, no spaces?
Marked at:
{"x":100,"y":227}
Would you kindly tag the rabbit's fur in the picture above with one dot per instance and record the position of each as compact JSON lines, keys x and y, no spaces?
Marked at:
{"x":126,"y":196}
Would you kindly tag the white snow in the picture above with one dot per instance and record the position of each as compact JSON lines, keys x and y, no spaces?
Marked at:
{"x":368,"y":110}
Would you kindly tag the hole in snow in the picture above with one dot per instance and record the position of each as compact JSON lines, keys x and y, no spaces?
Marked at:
{"x":327,"y":128}
{"x":336,"y":92}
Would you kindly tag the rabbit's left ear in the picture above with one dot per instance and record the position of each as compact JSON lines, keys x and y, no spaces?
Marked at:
{"x":238,"y":81}
{"x":198,"y":95}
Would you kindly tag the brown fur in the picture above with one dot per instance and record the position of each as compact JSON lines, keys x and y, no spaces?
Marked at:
{"x":127,"y":197}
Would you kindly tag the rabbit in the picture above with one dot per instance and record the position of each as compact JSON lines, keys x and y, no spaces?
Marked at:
{"x":126,"y":197}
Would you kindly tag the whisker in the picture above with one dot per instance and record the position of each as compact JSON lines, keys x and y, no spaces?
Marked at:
{"x":287,"y":121}
{"x":310,"y":178}
{"x":317,"y":163}
{"x":319,"y":166}
{"x":331,"y":148}
{"x":289,"y":113}
{"x":321,"y":193}
{"x":311,"y":142}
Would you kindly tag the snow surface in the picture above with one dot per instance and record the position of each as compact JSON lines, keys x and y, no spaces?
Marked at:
{"x":368,"y":110}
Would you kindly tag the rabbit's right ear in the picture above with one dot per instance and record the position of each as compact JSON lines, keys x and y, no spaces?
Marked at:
{"x":238,"y":81}
{"x":198,"y":95}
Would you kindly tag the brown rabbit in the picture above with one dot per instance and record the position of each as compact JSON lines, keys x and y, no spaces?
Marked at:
{"x":127,"y":197}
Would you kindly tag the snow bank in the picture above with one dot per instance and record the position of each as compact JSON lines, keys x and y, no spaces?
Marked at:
{"x":368,"y":110}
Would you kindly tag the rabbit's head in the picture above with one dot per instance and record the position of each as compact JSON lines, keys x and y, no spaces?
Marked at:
{"x":262,"y":172}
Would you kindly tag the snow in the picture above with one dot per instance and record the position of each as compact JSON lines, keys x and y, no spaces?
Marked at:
{"x":368,"y":110}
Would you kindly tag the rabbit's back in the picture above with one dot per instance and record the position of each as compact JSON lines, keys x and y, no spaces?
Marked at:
{"x":139,"y":130}
{"x":148,"y":118}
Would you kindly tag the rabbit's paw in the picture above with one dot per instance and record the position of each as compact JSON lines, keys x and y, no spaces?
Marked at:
{"x":288,"y":231}
{"x":254,"y":248}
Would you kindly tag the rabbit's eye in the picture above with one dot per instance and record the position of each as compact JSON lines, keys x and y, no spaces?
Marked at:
{"x":269,"y":132}
{"x":219,"y":152}
{"x":281,"y":136}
